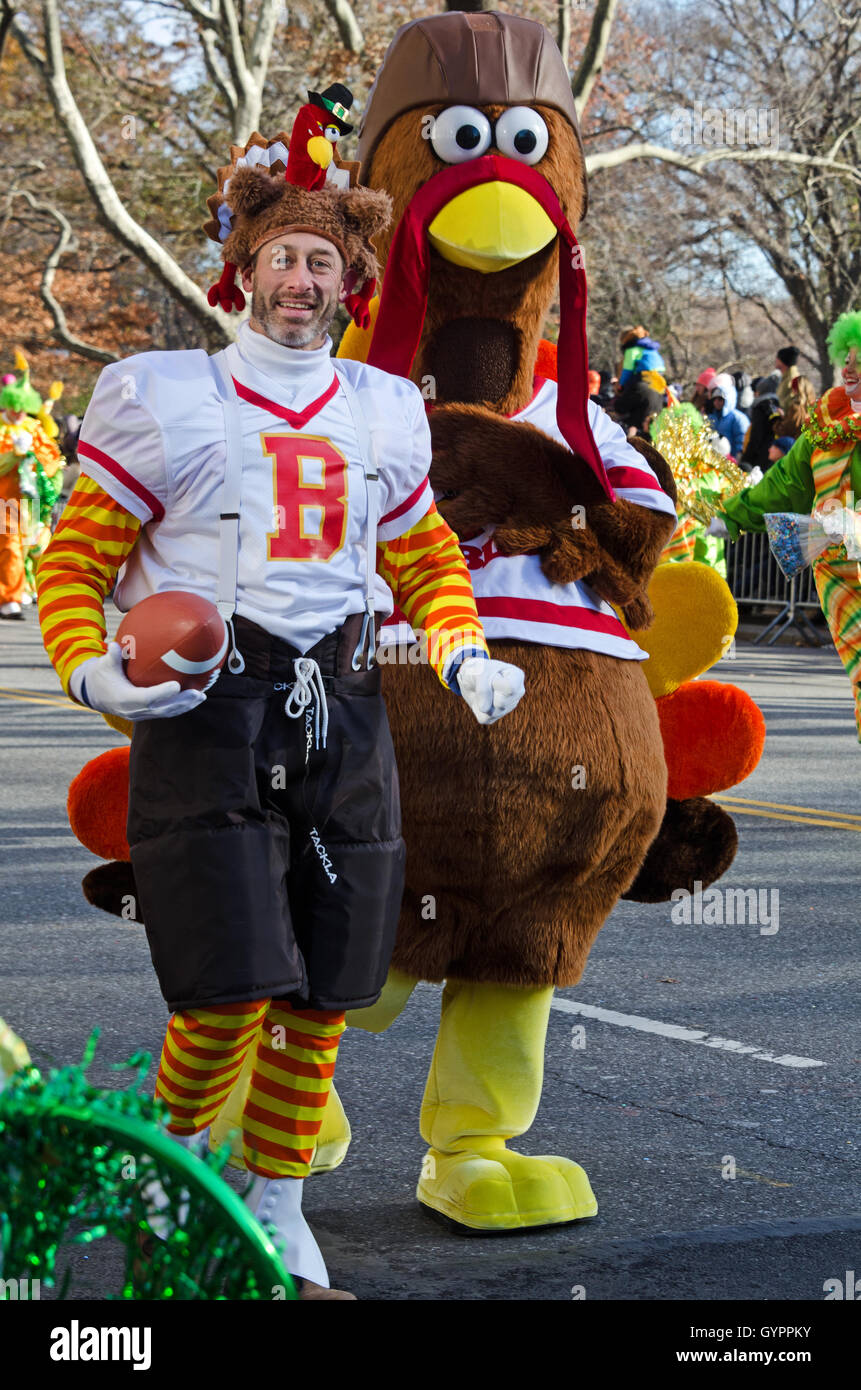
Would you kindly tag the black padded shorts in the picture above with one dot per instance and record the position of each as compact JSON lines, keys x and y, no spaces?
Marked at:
{"x":266,"y":866}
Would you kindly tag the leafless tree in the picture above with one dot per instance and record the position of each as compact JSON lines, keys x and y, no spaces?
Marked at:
{"x":795,"y":198}
{"x":790,"y":202}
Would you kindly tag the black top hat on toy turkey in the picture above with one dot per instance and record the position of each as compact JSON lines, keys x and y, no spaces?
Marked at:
{"x":336,"y":102}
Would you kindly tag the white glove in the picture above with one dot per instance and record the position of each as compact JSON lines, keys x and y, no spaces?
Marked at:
{"x":109,"y":690}
{"x":717,"y":527}
{"x":490,"y":688}
{"x":756,"y":475}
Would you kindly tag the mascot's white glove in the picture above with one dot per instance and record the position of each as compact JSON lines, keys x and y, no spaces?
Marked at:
{"x":717,"y":527}
{"x":490,"y":688}
{"x":102,"y":684}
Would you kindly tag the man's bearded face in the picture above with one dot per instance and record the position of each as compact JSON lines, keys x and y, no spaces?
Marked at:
{"x":296,"y":286}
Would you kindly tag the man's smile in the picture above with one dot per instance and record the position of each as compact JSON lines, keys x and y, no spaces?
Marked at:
{"x":294,"y":306}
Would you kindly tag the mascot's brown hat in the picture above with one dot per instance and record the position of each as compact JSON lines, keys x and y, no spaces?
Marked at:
{"x":488,"y":58}
{"x":255,"y":203}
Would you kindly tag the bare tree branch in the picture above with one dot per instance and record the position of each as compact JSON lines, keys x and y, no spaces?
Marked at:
{"x":348,"y":26}
{"x":6,"y":14}
{"x":695,"y":164}
{"x":563,"y":28}
{"x":31,"y":52}
{"x":762,"y":305}
{"x":65,"y":242}
{"x":236,"y":66}
{"x":110,"y":207}
{"x":592,"y":62}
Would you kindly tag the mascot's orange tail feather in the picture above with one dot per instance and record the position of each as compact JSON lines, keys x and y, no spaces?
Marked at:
{"x":98,"y":804}
{"x":713,"y":735}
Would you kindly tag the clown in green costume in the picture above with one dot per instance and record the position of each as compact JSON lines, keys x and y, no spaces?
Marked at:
{"x":822,"y":472}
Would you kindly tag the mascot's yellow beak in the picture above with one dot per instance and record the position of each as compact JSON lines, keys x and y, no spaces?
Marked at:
{"x":491,"y":227}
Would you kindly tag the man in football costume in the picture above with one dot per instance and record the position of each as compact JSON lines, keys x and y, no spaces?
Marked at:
{"x":264,"y":819}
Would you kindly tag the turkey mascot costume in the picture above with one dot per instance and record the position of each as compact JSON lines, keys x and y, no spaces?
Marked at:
{"x":526,"y":837}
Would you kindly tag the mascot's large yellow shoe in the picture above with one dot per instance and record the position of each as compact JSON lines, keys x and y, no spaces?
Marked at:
{"x":483,"y":1089}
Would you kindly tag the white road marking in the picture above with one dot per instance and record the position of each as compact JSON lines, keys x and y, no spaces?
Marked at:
{"x":674,"y":1030}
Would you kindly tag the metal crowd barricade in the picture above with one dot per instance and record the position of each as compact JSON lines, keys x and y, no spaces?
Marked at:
{"x":756,"y":580}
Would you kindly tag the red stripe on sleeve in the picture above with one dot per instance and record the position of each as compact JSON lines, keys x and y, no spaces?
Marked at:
{"x":117,"y":471}
{"x":405,"y":506}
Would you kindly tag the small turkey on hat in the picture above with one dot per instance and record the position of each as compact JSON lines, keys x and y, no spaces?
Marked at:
{"x":336,"y":102}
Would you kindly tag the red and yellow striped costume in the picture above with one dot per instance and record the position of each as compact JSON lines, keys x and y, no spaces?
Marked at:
{"x":204,"y":1050}
{"x":294,"y":1062}
{"x":681,"y":544}
{"x":19,"y":516}
{"x":821,"y":470}
{"x":836,"y":574}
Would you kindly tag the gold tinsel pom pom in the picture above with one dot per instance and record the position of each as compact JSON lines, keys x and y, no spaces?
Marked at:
{"x":704,"y":477}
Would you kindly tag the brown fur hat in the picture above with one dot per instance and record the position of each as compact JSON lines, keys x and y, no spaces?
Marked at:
{"x":265,"y":207}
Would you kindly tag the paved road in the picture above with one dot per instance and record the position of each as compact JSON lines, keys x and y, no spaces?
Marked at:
{"x":652,"y":1116}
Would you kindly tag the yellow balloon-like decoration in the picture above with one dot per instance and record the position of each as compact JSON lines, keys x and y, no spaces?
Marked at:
{"x":695,"y":621}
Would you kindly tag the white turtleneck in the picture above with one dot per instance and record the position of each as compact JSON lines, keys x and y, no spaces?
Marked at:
{"x":298,"y":374}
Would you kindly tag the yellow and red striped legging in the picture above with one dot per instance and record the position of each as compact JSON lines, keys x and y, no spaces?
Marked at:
{"x":838,"y":584}
{"x":294,"y":1062}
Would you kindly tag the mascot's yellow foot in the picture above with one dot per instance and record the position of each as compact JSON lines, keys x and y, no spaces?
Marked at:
{"x":500,"y":1190}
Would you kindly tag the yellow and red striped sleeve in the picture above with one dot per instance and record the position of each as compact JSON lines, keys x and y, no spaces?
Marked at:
{"x":94,"y":537}
{"x":427,"y":574}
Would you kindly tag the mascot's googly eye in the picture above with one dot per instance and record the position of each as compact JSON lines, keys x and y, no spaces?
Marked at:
{"x":460,"y":133}
{"x":521,"y":134}
{"x":332,"y":133}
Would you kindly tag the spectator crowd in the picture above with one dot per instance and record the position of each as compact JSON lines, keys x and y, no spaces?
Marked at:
{"x":754,"y":421}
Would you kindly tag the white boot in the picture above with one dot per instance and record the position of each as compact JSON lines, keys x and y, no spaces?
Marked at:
{"x":155,"y":1195}
{"x":195,"y":1143}
{"x":277,"y":1202}
{"x":11,"y":610}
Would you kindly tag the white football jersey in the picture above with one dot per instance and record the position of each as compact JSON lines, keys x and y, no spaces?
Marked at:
{"x":514,"y":597}
{"x":154,"y":438}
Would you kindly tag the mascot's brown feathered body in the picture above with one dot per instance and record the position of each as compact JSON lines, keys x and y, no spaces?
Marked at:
{"x":521,"y":838}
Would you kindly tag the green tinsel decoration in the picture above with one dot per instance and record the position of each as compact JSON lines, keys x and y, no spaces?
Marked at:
{"x":71,"y":1153}
{"x":49,"y":491}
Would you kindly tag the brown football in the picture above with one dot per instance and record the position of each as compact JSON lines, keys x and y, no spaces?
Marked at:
{"x":173,"y":636}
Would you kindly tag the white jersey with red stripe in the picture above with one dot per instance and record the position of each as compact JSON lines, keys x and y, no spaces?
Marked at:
{"x":154,"y":438}
{"x":514,"y":598}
